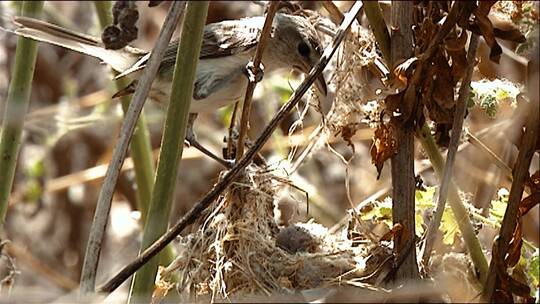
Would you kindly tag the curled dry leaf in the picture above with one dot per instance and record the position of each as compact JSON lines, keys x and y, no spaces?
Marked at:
{"x":534,"y":198}
{"x":514,"y":248}
{"x":506,"y":282}
{"x":394,"y":233}
{"x":384,"y":146}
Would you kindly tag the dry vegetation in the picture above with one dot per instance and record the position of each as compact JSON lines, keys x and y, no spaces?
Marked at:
{"x":311,"y":218}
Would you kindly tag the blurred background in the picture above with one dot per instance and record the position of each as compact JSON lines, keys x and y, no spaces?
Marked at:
{"x":72,"y":126}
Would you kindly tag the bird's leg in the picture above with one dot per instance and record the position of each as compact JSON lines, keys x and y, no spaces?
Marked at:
{"x":191,"y":140}
{"x":254,"y":74}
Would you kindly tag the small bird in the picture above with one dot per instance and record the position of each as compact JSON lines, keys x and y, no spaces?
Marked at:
{"x":221,"y":76}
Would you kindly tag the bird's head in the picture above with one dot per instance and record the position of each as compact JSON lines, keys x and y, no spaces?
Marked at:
{"x":295,"y":43}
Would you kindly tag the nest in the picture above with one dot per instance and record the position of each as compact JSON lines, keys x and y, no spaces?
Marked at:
{"x":237,"y":249}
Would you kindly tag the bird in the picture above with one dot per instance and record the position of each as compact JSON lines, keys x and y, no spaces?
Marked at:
{"x":221,"y":75}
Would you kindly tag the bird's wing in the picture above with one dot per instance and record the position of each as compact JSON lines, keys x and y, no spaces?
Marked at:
{"x":220,"y":39}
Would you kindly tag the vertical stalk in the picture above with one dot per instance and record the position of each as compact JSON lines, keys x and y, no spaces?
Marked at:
{"x":520,"y":173}
{"x":437,"y":161}
{"x":103,"y":207}
{"x":403,"y":180}
{"x":140,"y":148}
{"x":187,"y":58}
{"x":17,"y":103}
{"x":246,"y":106}
{"x":378,"y":27}
{"x":457,"y":127}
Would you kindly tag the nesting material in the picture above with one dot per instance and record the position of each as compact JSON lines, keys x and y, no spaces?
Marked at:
{"x":237,"y":249}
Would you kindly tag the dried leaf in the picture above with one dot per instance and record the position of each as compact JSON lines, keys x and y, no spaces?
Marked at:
{"x":511,"y":34}
{"x":384,"y":146}
{"x":514,"y":248}
{"x":507,"y":282}
{"x":459,"y":64}
{"x":456,"y":43}
{"x":393,"y":233}
{"x":528,"y":203}
{"x":403,"y":71}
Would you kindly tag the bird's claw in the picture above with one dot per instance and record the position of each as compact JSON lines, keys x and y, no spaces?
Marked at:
{"x":254,"y":74}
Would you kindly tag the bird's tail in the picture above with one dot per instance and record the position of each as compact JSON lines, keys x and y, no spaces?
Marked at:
{"x":119,"y":60}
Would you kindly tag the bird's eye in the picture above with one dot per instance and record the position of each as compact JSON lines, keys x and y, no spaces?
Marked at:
{"x":303,"y":49}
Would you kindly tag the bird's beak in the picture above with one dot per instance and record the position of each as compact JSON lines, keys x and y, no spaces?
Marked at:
{"x":320,"y":82}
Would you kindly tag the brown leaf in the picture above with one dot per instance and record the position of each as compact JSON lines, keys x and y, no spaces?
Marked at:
{"x":456,"y":43}
{"x":514,"y":248}
{"x":528,"y":203}
{"x":507,"y":283}
{"x":393,"y":233}
{"x":384,"y":146}
{"x":459,"y":64}
{"x":512,"y":35}
{"x":443,"y":92}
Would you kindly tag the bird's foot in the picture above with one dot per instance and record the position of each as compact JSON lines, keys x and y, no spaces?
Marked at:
{"x":254,"y":74}
{"x":191,"y":141}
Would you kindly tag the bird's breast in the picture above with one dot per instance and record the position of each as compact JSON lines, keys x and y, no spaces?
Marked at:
{"x":222,"y":79}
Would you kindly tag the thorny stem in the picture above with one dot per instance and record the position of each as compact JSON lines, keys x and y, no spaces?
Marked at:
{"x":231,"y":175}
{"x":101,"y":215}
{"x":457,"y":127}
{"x":246,"y":108}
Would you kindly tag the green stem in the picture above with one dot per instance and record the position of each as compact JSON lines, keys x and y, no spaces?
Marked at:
{"x":17,"y":103}
{"x":378,"y":27}
{"x":187,"y":59}
{"x":140,"y":147}
{"x":460,"y":212}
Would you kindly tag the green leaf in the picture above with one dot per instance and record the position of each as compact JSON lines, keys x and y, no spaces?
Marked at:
{"x":534,"y":268}
{"x":449,"y":226}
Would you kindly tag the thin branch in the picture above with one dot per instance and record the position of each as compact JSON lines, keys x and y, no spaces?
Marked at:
{"x":335,"y":14}
{"x":231,"y":175}
{"x":520,"y":174}
{"x":256,"y":62}
{"x":140,"y":148}
{"x":477,"y":143}
{"x":101,"y":215}
{"x":457,"y":127}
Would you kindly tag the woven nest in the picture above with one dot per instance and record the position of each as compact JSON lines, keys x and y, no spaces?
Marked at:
{"x":237,"y":249}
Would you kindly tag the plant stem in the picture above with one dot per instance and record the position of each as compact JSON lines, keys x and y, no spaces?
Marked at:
{"x":17,"y":103}
{"x":101,"y":215}
{"x":378,"y":26}
{"x":246,"y":106}
{"x":428,"y":143}
{"x":403,"y":180}
{"x":520,"y":174}
{"x":140,"y":148}
{"x":187,"y":58}
{"x":233,"y":173}
{"x":457,"y":127}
